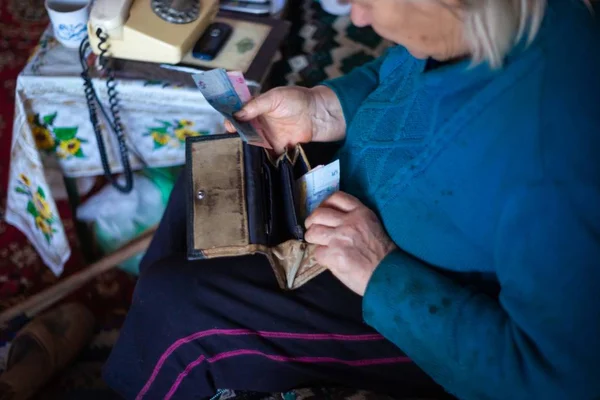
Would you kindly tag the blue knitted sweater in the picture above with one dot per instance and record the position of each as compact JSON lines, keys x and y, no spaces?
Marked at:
{"x":489,"y":183}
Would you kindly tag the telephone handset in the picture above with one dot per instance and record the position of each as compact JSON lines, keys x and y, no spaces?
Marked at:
{"x":110,"y":16}
{"x":146,"y":30}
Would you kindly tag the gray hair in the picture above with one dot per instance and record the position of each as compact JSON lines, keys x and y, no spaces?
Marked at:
{"x":494,"y":26}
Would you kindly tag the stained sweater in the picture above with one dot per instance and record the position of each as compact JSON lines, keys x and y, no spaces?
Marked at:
{"x":488,"y":181}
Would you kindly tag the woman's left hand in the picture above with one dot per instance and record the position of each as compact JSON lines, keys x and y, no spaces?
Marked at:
{"x":351,"y":240}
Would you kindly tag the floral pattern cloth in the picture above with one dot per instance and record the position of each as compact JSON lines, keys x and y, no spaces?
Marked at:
{"x":29,"y":204}
{"x":173,"y":133}
{"x":37,"y":206}
{"x":52,"y":120}
{"x":62,"y":141}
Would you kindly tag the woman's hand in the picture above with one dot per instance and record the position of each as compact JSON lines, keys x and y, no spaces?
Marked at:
{"x":292,"y":115}
{"x":351,"y":240}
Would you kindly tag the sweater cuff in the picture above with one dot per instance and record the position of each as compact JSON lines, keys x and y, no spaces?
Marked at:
{"x":383,"y":283}
{"x":352,"y":90}
{"x":403,"y":289}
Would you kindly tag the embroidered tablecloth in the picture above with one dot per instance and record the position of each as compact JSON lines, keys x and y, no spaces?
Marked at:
{"x":52,"y":121}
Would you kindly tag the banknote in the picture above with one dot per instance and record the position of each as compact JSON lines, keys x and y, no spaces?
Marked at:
{"x":239,"y":84}
{"x":241,"y":88}
{"x":317,"y":185}
{"x":218,"y":90}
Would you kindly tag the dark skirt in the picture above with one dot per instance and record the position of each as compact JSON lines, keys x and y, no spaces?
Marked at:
{"x":198,"y":326}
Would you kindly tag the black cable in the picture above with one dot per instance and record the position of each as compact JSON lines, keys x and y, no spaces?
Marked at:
{"x":93,"y":103}
{"x":112,"y":83}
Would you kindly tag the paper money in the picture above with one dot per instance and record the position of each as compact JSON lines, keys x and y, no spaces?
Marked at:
{"x":241,"y":88}
{"x":239,"y":85}
{"x":317,"y":185}
{"x":220,"y":93}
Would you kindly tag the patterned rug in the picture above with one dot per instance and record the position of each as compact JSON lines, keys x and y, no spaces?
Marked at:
{"x":322,"y":46}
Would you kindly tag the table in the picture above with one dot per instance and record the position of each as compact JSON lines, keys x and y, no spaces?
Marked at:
{"x":159,"y":109}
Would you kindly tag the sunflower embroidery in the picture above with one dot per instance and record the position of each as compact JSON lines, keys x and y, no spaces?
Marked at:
{"x":43,"y":138}
{"x":37,"y":207}
{"x":62,"y":141}
{"x":42,"y":206}
{"x":183,"y":133}
{"x":43,"y":225}
{"x":70,"y":147}
{"x":25,"y":180}
{"x":160,"y":138}
{"x":172,"y":133}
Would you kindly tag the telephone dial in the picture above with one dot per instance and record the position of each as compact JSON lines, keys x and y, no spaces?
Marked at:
{"x":162,"y":31}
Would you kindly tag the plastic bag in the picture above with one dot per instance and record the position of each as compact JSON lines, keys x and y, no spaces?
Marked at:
{"x":118,"y":218}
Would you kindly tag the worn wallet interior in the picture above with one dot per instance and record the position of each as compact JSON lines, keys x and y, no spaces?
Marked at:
{"x":243,"y":201}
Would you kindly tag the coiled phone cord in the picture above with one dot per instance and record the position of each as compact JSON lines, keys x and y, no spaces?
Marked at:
{"x":93,"y":102}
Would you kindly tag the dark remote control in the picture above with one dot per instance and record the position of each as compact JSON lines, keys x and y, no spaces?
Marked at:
{"x":212,"y":41}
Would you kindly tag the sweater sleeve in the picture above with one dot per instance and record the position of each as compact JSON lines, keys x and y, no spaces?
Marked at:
{"x":353,"y":88}
{"x":539,"y":339}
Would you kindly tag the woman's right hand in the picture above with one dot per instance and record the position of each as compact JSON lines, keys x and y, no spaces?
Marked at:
{"x":292,"y":115}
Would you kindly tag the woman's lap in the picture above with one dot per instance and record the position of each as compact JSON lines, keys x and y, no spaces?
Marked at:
{"x":195,"y":327}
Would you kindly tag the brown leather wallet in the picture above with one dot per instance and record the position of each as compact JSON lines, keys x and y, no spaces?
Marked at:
{"x":242,"y":201}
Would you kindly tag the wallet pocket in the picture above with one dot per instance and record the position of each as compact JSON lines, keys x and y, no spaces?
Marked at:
{"x":258,"y":195}
{"x":269,"y":200}
{"x":301,"y":166}
{"x":288,"y":197}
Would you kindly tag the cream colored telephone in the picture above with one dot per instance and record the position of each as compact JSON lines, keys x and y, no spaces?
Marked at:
{"x":161,"y":31}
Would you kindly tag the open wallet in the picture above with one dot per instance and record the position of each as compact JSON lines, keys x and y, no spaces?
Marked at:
{"x":243,"y":201}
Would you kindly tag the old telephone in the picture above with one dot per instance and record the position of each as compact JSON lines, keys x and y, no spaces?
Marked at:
{"x":161,"y":31}
{"x":147,"y":30}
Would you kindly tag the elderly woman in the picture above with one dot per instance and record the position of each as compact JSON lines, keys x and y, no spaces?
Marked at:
{"x":464,"y":247}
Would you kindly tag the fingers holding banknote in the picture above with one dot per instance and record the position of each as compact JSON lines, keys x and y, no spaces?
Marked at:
{"x":229,"y":127}
{"x":284,"y":114}
{"x":292,"y":115}
{"x":326,"y":217}
{"x":350,"y":238}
